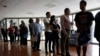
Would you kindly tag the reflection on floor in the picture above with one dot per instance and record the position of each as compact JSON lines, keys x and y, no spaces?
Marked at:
{"x":16,"y":50}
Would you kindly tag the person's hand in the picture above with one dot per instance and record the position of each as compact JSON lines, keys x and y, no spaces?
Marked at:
{"x":66,"y":35}
{"x":58,"y":30}
{"x":77,"y":34}
{"x":34,"y":35}
{"x":71,"y":23}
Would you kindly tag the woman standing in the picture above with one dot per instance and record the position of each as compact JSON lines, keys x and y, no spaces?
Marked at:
{"x":55,"y":31}
{"x":11,"y":31}
{"x":23,"y":33}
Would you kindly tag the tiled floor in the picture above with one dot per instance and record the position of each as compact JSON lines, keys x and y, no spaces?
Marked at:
{"x":16,"y":50}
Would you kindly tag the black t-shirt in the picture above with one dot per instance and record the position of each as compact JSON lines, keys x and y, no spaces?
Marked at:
{"x":83,"y":21}
{"x":55,"y":32}
{"x":23,"y":29}
{"x":97,"y":26}
{"x":55,"y":26}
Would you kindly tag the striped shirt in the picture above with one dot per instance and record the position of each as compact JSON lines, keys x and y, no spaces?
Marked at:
{"x":65,"y":23}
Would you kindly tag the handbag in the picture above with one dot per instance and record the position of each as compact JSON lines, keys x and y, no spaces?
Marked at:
{"x":83,"y":38}
{"x":34,"y":38}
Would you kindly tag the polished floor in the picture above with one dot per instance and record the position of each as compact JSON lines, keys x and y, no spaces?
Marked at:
{"x":6,"y":49}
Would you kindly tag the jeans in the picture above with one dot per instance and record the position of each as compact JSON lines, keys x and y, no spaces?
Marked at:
{"x":48,"y":40}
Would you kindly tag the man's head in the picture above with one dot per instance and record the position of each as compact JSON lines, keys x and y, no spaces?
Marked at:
{"x":30,"y":20}
{"x":67,"y":11}
{"x":14,"y":24}
{"x":48,"y":15}
{"x":83,"y":5}
{"x":37,"y":20}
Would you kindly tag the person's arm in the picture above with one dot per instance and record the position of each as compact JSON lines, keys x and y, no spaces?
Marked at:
{"x":36,"y":29}
{"x":77,"y":22}
{"x":41,"y":28}
{"x":58,"y":26}
{"x":29,"y":28}
{"x":26,"y":29}
{"x":51,"y":27}
{"x":90,"y":21}
{"x":46,"y":23}
{"x":71,"y":23}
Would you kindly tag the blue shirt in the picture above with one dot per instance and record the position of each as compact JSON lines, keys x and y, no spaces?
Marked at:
{"x":38,"y":27}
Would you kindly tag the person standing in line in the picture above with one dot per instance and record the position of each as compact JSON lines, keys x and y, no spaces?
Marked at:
{"x":0,"y":34}
{"x":48,"y":33}
{"x":23,"y":33}
{"x":16,"y":31}
{"x":97,"y":29}
{"x":30,"y":26}
{"x":83,"y":22}
{"x":39,"y":31}
{"x":65,"y":32}
{"x":11,"y":31}
{"x":55,"y":31}
{"x":4,"y":34}
{"x":33,"y":34}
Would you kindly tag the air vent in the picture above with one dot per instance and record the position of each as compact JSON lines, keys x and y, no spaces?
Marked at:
{"x":30,"y":13}
{"x":1,"y":3}
{"x":4,"y":6}
{"x":50,"y":5}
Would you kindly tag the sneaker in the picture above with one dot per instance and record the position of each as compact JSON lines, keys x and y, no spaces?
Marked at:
{"x":46,"y":52}
{"x":38,"y":49}
{"x":51,"y":51}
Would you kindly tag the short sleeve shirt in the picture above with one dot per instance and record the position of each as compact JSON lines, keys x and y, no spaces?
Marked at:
{"x":84,"y":19}
{"x":47,"y":29}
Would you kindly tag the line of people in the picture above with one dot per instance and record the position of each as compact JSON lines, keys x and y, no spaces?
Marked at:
{"x":22,"y":32}
{"x":12,"y":31}
{"x":83,"y":21}
{"x":35,"y":33}
{"x":52,"y":30}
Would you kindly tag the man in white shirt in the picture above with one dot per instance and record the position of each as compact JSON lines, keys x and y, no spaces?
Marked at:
{"x":48,"y":32}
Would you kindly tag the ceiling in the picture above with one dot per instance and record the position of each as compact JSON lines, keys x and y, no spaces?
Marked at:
{"x":38,"y":8}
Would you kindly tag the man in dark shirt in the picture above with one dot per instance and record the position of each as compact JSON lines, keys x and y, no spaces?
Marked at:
{"x":97,"y":29}
{"x":83,"y":22}
{"x":4,"y":34}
